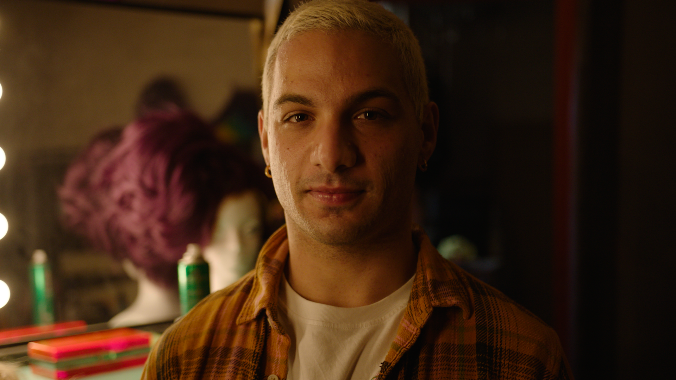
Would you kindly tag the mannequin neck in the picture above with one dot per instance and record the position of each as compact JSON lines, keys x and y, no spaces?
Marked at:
{"x":153,"y":303}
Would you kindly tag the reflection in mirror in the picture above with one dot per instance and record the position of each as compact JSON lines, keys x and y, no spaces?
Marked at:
{"x":70,"y":70}
{"x":237,"y":236}
{"x":145,"y":193}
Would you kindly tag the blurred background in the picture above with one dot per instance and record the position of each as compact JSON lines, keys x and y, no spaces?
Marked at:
{"x":555,"y":165}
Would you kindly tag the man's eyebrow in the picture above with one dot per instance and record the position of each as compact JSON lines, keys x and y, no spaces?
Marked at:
{"x":374,"y":93}
{"x":356,"y":99}
{"x":293,"y":98}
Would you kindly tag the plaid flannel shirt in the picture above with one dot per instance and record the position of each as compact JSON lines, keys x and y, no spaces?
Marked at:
{"x":454,"y":327}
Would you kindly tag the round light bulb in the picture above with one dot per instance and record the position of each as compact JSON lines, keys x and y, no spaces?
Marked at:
{"x":3,"y":158}
{"x":4,"y":294}
{"x":4,"y":226}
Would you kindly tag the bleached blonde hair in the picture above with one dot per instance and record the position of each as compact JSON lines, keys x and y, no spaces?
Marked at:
{"x":336,"y":15}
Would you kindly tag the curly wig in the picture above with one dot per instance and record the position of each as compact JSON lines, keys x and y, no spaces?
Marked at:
{"x":159,"y":188}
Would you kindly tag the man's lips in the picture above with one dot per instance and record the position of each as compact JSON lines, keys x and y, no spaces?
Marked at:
{"x":335,"y":195}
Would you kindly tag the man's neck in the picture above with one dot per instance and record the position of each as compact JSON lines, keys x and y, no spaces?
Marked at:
{"x":349,"y":275}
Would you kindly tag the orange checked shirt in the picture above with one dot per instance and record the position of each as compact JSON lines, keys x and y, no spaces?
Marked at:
{"x":454,"y":327}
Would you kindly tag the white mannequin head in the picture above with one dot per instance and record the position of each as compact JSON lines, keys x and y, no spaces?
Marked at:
{"x":236,"y":240}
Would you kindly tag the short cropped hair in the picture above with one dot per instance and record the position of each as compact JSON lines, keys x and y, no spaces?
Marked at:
{"x":335,"y":15}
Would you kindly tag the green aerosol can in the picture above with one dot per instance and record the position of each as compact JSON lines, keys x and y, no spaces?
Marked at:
{"x":193,"y":278}
{"x":41,"y":285}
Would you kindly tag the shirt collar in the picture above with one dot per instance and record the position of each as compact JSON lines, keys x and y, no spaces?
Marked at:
{"x":437,"y":282}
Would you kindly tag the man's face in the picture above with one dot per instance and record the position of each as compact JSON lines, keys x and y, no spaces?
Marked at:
{"x":341,"y":136}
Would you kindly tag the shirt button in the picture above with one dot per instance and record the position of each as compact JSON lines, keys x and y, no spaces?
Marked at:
{"x":273,"y":377}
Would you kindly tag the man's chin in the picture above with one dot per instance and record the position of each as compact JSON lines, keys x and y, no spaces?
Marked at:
{"x":337,"y":234}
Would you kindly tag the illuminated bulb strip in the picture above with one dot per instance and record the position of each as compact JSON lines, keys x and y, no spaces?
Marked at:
{"x":4,"y":226}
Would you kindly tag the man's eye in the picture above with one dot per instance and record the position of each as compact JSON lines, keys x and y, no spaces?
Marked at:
{"x":298,"y":118}
{"x":369,"y":115}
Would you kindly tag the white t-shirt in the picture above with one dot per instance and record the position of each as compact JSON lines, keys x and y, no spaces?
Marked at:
{"x":336,"y":343}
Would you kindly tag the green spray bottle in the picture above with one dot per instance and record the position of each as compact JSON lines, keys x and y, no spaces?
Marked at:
{"x":41,"y":285}
{"x":193,"y":278}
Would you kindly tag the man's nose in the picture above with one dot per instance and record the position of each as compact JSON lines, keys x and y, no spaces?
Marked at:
{"x":335,"y":149}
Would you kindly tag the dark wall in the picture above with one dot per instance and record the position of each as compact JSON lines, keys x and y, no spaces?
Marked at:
{"x":625,"y":189}
{"x":490,"y":69}
{"x":646,"y":262}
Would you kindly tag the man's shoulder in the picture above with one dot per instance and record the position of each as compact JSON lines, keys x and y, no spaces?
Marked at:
{"x":218,"y":310}
{"x":502,"y":333}
{"x":449,"y":285}
{"x":503,"y":327}
{"x":210,"y":327}
{"x":491,"y":308}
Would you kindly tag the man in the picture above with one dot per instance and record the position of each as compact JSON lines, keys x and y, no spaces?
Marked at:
{"x":349,"y":289}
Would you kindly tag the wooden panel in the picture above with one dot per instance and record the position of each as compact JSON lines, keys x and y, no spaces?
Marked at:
{"x":230,"y":8}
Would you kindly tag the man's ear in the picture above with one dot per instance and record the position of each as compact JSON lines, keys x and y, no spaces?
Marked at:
{"x":263,"y":134}
{"x":430,"y":127}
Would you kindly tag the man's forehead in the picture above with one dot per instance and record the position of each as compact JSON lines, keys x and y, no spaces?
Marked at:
{"x":315,"y":55}
{"x":300,"y":41}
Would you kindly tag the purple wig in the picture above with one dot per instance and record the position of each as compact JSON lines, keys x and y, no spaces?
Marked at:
{"x":80,"y":205}
{"x":163,"y":184}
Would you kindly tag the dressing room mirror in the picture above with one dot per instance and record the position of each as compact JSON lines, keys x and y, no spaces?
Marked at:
{"x":70,"y":69}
